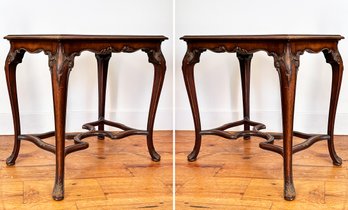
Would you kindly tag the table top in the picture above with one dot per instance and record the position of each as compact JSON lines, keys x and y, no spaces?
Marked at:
{"x":281,"y":37}
{"x":85,"y":37}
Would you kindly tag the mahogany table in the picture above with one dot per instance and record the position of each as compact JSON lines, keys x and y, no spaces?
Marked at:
{"x":286,"y":51}
{"x":61,"y":51}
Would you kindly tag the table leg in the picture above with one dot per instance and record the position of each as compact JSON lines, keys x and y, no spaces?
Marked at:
{"x":103,"y":63}
{"x":245,"y":62}
{"x":60,"y":66}
{"x":157,"y":59}
{"x":287,"y":65}
{"x":13,"y":59}
{"x":334,"y":59}
{"x":191,"y":58}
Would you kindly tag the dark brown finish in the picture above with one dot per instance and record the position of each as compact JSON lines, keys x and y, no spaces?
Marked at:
{"x":245,"y":62}
{"x":286,"y":51}
{"x":61,"y":51}
{"x":103,"y":64}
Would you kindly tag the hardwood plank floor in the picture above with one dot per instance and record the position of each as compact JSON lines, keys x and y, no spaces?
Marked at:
{"x":120,"y":175}
{"x":108,"y":175}
{"x":240,"y":175}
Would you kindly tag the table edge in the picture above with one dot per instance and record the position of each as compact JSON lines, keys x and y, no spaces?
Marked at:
{"x":83,"y":37}
{"x":263,"y":37}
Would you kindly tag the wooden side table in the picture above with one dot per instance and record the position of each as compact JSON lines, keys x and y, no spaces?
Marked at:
{"x":61,"y":51}
{"x":286,"y":51}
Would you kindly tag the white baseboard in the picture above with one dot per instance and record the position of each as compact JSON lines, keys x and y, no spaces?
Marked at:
{"x":43,"y":122}
{"x":305,"y":122}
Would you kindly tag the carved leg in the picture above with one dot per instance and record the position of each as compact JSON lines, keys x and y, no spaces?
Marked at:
{"x":190,"y":59}
{"x":334,"y":58}
{"x":157,"y":59}
{"x":244,"y":62}
{"x":13,"y":59}
{"x":103,"y":63}
{"x":287,"y":66}
{"x":60,"y":66}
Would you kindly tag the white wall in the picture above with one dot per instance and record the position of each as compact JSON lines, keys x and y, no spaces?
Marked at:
{"x":129,"y":81}
{"x":130,"y":75}
{"x":220,"y":72}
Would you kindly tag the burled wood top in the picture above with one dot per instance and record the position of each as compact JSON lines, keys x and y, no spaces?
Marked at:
{"x":261,"y":37}
{"x":84,"y":37}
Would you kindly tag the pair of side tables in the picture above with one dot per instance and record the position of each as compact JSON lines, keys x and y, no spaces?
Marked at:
{"x":62,"y":49}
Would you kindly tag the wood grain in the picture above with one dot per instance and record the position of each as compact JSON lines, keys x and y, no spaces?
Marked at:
{"x":108,"y":175}
{"x":228,"y":175}
{"x":239,"y":175}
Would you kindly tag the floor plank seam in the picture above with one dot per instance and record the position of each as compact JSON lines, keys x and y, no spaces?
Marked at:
{"x":217,"y":171}
{"x":242,"y":198}
{"x":22,"y":192}
{"x":130,"y":171}
{"x":325,"y":194}
{"x":270,"y":208}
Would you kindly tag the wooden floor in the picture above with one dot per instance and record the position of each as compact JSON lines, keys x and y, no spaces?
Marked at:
{"x":239,"y":175}
{"x":227,"y":175}
{"x":108,"y":175}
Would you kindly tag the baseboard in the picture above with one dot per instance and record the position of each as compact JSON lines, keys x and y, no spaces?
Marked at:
{"x":43,"y":122}
{"x":306,"y":122}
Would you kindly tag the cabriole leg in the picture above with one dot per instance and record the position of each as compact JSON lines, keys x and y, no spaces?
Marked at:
{"x":60,"y":66}
{"x":334,"y":59}
{"x":13,"y":59}
{"x":190,"y":59}
{"x":287,"y":65}
{"x":157,"y":59}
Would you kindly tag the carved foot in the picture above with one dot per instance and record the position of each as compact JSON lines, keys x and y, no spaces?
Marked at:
{"x":192,"y":156}
{"x":58,"y":191}
{"x":337,"y":161}
{"x":289,"y":191}
{"x":10,"y":161}
{"x":155,"y":156}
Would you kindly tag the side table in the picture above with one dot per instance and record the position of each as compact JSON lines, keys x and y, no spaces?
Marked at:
{"x":286,"y":51}
{"x":61,"y":51}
